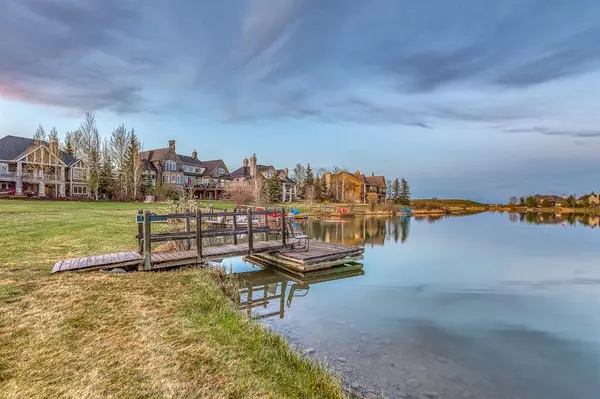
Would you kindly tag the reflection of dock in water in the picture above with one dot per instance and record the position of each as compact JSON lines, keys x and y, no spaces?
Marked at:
{"x":261,"y":287}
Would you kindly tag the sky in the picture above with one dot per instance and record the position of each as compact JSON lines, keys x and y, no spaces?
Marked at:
{"x":476,"y":99}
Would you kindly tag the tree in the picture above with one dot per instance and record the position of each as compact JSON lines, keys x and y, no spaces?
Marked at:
{"x":299,"y":174}
{"x":522,"y":201}
{"x":396,"y":191}
{"x":404,"y":193}
{"x":320,"y":188}
{"x":119,"y":143}
{"x":40,"y":133}
{"x":73,"y":140}
{"x":273,"y":189}
{"x":90,"y":150}
{"x":241,"y":192}
{"x":133,"y":167}
{"x":107,"y":173}
{"x":389,"y":189}
{"x":571,"y":201}
{"x":531,"y":202}
{"x":513,"y":200}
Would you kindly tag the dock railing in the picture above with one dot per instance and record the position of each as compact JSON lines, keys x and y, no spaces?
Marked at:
{"x":273,"y":222}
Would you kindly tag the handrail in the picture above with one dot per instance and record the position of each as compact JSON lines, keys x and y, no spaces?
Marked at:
{"x":146,"y":237}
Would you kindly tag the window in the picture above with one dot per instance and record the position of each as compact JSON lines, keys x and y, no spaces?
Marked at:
{"x":3,"y":168}
{"x":179,"y":179}
{"x":165,"y":178}
{"x":78,"y":174}
{"x":221,"y":171}
{"x":79,"y":190}
{"x":270,"y":174}
{"x":170,"y":165}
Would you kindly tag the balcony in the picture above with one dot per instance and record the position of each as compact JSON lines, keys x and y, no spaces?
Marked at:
{"x":211,"y":186}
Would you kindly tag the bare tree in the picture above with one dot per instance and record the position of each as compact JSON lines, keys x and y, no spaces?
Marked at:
{"x":241,"y":192}
{"x":40,"y":133}
{"x":310,"y":194}
{"x":90,"y":150}
{"x":119,"y":143}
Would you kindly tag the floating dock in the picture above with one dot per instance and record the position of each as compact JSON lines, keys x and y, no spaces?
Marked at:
{"x":320,"y":256}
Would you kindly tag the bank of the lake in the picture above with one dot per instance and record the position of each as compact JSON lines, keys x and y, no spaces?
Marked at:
{"x":101,"y":334}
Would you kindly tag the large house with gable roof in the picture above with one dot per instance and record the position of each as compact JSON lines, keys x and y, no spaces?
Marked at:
{"x":251,"y":170}
{"x":36,"y":167}
{"x":209,"y":179}
{"x":356,"y":187}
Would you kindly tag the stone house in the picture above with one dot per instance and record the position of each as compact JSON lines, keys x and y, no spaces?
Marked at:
{"x":251,"y":170}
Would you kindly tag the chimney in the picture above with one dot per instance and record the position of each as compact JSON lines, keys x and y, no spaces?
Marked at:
{"x":253,"y":165}
{"x":172,"y":145}
{"x":245,"y":162}
{"x":372,"y":174}
{"x":357,"y":173}
{"x":194,"y":154}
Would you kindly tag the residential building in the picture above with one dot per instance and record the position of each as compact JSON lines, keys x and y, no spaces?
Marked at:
{"x":164,"y":166}
{"x":550,"y":200}
{"x":589,"y":200}
{"x":356,"y":187}
{"x":35,"y":167}
{"x":252,"y":171}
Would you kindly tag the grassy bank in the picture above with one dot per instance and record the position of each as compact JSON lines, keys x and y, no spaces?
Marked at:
{"x":170,"y":334}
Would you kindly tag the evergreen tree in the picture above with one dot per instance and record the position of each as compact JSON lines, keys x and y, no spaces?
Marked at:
{"x":107,"y":174}
{"x":389,"y":189}
{"x":396,"y":191}
{"x":404,"y":193}
{"x":68,"y":147}
{"x":319,"y":189}
{"x":522,"y":201}
{"x":309,"y":177}
{"x":273,"y":189}
{"x":40,"y":133}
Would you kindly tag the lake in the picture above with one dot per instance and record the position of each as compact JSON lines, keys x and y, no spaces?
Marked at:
{"x":483,"y":306}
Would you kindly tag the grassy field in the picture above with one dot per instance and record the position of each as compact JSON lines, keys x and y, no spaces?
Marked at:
{"x":153,"y":335}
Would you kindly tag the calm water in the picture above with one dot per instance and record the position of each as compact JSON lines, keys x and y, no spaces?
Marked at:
{"x":483,"y":306}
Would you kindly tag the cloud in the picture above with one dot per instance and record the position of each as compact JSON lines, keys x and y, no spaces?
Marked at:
{"x":380,"y":62}
{"x":557,"y":132}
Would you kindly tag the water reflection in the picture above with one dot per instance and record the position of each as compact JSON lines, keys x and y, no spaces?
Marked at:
{"x":571,"y":219}
{"x":368,"y":232}
{"x":267,"y":292}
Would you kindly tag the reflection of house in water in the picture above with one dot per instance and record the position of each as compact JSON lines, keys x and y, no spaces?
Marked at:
{"x":572,"y":219}
{"x":360,"y":231}
{"x":270,"y":291}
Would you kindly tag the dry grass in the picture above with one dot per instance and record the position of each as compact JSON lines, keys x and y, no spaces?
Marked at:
{"x":88,"y":335}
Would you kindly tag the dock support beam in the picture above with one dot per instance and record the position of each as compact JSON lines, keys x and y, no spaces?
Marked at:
{"x":147,"y":242}
{"x":140,"y":233}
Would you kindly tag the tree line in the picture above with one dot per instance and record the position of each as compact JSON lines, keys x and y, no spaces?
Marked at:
{"x":114,"y":164}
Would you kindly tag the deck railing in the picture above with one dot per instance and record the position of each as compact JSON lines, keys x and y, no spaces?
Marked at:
{"x":223,"y":227}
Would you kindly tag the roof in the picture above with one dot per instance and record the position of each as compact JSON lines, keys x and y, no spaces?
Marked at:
{"x":154,"y":155}
{"x":264,"y":168}
{"x":244,"y":171}
{"x":378,"y":181}
{"x":12,"y":146}
{"x":548,"y":197}
{"x":187,"y":160}
{"x":212,"y":166}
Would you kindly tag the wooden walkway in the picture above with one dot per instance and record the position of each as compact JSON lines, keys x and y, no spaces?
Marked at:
{"x":161,"y":260}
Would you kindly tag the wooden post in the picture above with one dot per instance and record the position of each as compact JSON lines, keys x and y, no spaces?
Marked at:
{"x":283,"y":237}
{"x":235,"y":225}
{"x":140,"y":232}
{"x":199,"y":236}
{"x":250,"y":234}
{"x":147,"y":242}
{"x":267,"y":224}
{"x":282,"y":298}
{"x":188,"y":243}
{"x":249,"y":299}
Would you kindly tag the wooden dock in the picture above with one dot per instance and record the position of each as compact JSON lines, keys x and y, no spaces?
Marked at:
{"x":320,"y":256}
{"x":280,"y":252}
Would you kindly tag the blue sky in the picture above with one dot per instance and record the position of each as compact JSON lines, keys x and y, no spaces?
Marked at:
{"x":478,"y":99}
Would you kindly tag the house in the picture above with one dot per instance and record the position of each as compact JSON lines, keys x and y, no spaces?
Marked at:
{"x":35,"y":167}
{"x":356,"y":187}
{"x":164,"y":166}
{"x":549,"y":200}
{"x":251,"y":170}
{"x":589,"y":200}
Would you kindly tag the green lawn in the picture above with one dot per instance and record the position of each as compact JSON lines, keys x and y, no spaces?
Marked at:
{"x":95,"y":334}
